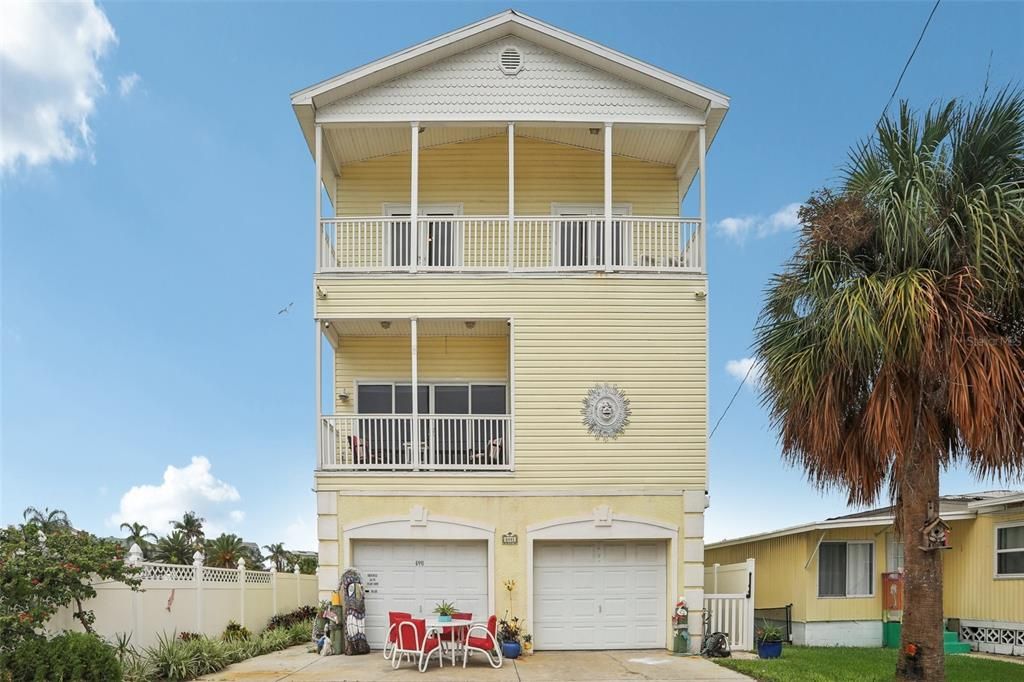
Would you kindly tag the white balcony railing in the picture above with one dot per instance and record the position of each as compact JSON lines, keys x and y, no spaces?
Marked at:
{"x":390,"y":442}
{"x":485,"y":243}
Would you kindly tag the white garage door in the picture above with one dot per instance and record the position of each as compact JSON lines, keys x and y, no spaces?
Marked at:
{"x":599,"y":595}
{"x":413,"y":576}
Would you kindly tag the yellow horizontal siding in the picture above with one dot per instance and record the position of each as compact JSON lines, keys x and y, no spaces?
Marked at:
{"x":570,"y":334}
{"x":778,"y":570}
{"x":972,"y":591}
{"x":441,"y":358}
{"x":475,"y":174}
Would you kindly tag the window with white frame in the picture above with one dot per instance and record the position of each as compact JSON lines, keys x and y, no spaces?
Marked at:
{"x":893,"y":553}
{"x":1010,"y":550}
{"x":846,"y":569}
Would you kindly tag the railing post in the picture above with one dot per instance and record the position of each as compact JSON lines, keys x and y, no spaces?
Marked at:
{"x":701,"y":149}
{"x":241,"y":592}
{"x":607,"y":197}
{"x":319,"y":396}
{"x":414,"y":343}
{"x":273,"y":589}
{"x":319,"y":135}
{"x":197,"y":565}
{"x":135,"y":559}
{"x":414,"y":199}
{"x":511,"y":193}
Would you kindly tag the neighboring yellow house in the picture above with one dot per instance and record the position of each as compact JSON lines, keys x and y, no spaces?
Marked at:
{"x":832,"y":573}
{"x":516,"y":381}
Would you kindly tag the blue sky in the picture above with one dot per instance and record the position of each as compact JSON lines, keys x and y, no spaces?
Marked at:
{"x":143,"y":264}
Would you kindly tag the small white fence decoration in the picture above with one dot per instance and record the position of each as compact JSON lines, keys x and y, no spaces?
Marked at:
{"x":177,"y":598}
{"x":729,"y":595}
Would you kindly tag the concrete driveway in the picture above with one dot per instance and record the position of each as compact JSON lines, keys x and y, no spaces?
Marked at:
{"x":298,"y":665}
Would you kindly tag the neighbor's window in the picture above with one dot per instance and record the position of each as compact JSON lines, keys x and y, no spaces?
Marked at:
{"x":1010,"y":550}
{"x":846,"y":569}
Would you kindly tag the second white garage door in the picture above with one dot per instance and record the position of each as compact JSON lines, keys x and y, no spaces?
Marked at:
{"x":599,"y":595}
{"x":413,"y":576}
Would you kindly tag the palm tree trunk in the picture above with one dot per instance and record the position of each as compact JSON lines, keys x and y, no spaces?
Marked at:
{"x":922,"y":588}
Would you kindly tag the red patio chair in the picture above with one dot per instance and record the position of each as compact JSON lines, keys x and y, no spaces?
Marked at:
{"x":394,"y":618}
{"x":414,"y":644}
{"x":486,"y":642}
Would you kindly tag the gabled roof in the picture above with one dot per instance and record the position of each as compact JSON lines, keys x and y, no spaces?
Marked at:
{"x":510,"y":22}
{"x":706,"y":105}
{"x":951,"y":507}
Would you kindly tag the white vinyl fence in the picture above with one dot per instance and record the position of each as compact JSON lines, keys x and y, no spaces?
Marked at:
{"x":176,"y":598}
{"x":729,"y":595}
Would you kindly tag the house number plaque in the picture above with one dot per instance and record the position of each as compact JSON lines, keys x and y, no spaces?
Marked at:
{"x":510,"y":539}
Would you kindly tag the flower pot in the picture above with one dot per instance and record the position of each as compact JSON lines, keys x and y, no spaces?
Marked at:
{"x":444,"y":618}
{"x":769,"y":649}
{"x":510,"y":649}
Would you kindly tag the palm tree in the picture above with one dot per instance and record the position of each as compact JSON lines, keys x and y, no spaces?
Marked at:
{"x":191,"y":525}
{"x":138,"y":534}
{"x":225,"y":551}
{"x":46,"y":518}
{"x":278,"y":555}
{"x":893,"y":342}
{"x":174,"y":549}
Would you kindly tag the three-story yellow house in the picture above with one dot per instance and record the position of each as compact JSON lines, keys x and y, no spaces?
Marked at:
{"x":512,"y":315}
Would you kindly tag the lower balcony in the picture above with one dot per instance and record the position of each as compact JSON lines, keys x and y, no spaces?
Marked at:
{"x":435,"y":442}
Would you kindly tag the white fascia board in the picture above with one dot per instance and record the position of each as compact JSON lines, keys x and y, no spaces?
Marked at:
{"x":496,"y":120}
{"x":873,"y":521}
{"x":997,"y":501}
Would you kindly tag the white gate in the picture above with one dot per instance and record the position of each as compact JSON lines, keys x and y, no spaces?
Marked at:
{"x":729,"y":595}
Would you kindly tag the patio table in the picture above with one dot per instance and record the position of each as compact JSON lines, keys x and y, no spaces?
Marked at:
{"x":458,"y":626}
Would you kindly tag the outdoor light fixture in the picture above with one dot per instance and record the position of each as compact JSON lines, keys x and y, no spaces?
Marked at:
{"x":385,"y":324}
{"x":343,"y":396}
{"x":470,"y":324}
{"x":595,"y":131}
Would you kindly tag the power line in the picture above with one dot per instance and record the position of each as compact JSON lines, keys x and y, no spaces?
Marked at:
{"x":733,"y":398}
{"x":910,"y":58}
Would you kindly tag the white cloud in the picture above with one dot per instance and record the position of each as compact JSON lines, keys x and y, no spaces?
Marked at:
{"x":738,"y":228}
{"x":299,"y":535}
{"x":189,"y":488}
{"x":739,"y":369}
{"x":126,"y":84}
{"x":49,"y":53}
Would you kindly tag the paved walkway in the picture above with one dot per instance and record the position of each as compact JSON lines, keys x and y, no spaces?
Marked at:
{"x":298,"y":665}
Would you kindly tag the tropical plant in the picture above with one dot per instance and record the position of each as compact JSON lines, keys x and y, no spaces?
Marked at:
{"x":768,"y":632}
{"x":42,"y":572}
{"x":301,"y":615}
{"x":308,"y":565}
{"x":191,"y":526}
{"x":893,"y":342}
{"x":46,"y":518}
{"x":138,"y":534}
{"x":78,"y":656}
{"x":509,"y":629}
{"x":174,"y":548}
{"x":278,"y":555}
{"x":225,"y":550}
{"x":234,"y":631}
{"x":445,"y":608}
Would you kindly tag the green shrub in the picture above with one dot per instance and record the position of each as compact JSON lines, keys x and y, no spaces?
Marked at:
{"x":172,"y":659}
{"x":299,"y":615}
{"x":69,"y":656}
{"x":137,"y":667}
{"x":301,"y":633}
{"x":235,"y":631}
{"x":210,"y":655}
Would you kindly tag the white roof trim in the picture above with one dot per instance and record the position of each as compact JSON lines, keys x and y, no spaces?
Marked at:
{"x":521,"y":25}
{"x":827,"y":525}
{"x":997,"y":501}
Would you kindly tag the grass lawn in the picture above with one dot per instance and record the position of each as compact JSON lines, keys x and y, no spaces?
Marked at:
{"x":846,"y":664}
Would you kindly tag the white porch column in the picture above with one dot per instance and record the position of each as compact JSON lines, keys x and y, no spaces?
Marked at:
{"x":511,"y":192}
{"x":319,"y":393}
{"x":319,"y":197}
{"x":607,"y":197}
{"x":414,"y":343}
{"x":701,"y":149}
{"x":414,"y":200}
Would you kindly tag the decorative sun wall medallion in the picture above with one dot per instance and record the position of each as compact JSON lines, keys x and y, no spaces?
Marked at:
{"x":605,"y":411}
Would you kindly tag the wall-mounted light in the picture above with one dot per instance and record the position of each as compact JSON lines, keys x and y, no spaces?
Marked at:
{"x":385,"y":324}
{"x":594,"y":131}
{"x":343,"y":396}
{"x":700,"y":295}
{"x":320,"y":293}
{"x":469,"y":324}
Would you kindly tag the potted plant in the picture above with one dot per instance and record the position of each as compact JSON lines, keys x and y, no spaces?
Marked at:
{"x":769,"y":640}
{"x":509,"y":631}
{"x":445,"y":610}
{"x":527,"y":644}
